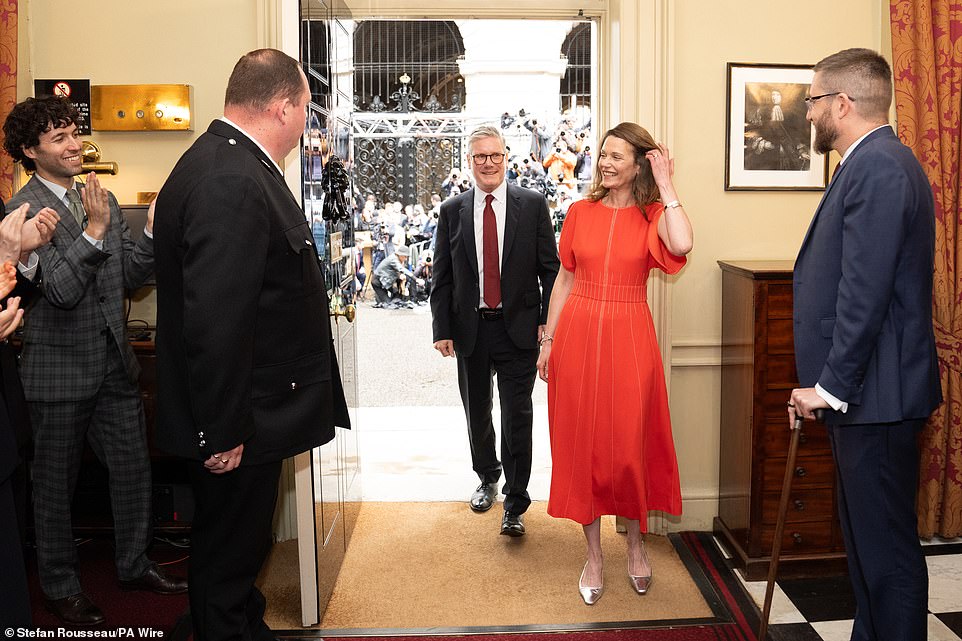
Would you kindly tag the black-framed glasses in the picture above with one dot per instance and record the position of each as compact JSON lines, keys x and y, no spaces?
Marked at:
{"x":811,"y":100}
{"x":496,"y":159}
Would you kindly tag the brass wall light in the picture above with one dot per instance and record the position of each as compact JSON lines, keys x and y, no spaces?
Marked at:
{"x":92,"y":162}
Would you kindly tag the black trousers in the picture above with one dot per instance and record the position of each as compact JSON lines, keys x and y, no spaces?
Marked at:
{"x":230,"y":539}
{"x":381,"y":294}
{"x":385,"y":295}
{"x":496,"y":353}
{"x":14,"y":594}
{"x":878,"y":469}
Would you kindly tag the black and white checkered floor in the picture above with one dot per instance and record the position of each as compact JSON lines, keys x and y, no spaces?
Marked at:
{"x":822,"y":609}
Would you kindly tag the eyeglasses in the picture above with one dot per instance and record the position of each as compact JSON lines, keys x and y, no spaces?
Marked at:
{"x":480,"y":159}
{"x":811,"y":100}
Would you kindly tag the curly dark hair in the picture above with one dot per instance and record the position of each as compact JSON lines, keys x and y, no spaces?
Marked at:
{"x":33,"y":117}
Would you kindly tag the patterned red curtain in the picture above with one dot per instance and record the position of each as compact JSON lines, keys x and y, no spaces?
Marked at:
{"x":927,"y":55}
{"x":8,"y":84}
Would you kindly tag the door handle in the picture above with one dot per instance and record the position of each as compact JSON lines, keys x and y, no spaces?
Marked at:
{"x":348,"y":312}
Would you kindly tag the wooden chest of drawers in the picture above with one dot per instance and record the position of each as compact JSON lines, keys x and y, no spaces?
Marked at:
{"x":758,"y":373}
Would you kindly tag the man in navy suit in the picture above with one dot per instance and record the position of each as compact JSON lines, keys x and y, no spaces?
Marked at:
{"x":495,"y":262}
{"x":864,"y":344}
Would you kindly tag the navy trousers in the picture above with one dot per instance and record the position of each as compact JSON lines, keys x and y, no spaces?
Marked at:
{"x":878,"y":469}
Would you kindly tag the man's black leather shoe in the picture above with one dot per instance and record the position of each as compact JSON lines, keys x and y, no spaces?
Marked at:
{"x":484,"y":497}
{"x":512,"y":524}
{"x":154,"y":580}
{"x":76,"y":609}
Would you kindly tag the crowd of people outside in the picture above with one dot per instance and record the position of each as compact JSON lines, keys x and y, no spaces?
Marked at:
{"x":557,"y":162}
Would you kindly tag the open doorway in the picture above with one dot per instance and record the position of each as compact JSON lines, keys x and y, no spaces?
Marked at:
{"x":394,"y":101}
{"x":420,"y":87}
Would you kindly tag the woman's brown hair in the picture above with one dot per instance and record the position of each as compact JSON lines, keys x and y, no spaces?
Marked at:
{"x":644,"y":188}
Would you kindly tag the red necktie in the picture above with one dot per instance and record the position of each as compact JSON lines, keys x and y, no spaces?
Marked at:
{"x":492,"y":270}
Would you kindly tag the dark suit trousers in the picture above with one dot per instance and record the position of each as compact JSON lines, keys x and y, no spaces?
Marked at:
{"x":495,"y":353}
{"x":382,"y":295}
{"x":878,"y":468}
{"x":113,"y":421}
{"x":230,"y":539}
{"x":14,"y":594}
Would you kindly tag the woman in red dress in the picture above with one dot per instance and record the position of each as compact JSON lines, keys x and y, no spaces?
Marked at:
{"x":611,"y":443}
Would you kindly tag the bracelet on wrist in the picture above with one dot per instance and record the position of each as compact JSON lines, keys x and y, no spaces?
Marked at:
{"x":672,"y":204}
{"x":547,"y":338}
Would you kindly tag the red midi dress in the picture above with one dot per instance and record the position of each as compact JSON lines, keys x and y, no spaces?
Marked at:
{"x":611,"y":444}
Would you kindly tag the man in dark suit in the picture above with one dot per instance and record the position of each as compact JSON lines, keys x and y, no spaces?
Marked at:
{"x":495,"y":246}
{"x":246,"y":371}
{"x":79,"y":371}
{"x":18,"y":238}
{"x":864,"y":344}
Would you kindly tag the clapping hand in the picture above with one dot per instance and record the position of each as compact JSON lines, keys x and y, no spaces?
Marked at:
{"x":10,"y":234}
{"x":150,"y":216}
{"x":20,"y":235}
{"x":8,"y":278}
{"x":10,"y":317}
{"x":11,"y":314}
{"x":37,"y":231}
{"x":97,"y":206}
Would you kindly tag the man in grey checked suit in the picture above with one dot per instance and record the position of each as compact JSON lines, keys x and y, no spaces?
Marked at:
{"x":79,"y":371}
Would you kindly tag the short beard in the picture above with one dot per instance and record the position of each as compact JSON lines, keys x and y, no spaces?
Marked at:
{"x":825,"y":134}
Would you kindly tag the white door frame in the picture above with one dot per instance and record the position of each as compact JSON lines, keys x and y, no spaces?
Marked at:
{"x":635,"y":82}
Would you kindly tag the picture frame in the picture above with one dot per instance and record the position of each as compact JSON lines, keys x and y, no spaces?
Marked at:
{"x":769,"y":143}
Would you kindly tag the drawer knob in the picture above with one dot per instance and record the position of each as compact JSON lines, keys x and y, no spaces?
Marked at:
{"x":797,"y":538}
{"x":800,"y":471}
{"x":799,"y":505}
{"x":802,"y":438}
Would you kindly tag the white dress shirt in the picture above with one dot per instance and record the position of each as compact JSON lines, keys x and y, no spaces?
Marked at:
{"x":498,"y":205}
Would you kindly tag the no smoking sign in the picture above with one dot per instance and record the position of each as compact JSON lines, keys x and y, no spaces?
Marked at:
{"x":76,"y":91}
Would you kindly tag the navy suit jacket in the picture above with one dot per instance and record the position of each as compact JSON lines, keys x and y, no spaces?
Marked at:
{"x":863,"y":288}
{"x":530,"y":257}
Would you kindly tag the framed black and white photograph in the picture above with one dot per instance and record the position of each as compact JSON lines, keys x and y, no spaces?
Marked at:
{"x":769,"y":142}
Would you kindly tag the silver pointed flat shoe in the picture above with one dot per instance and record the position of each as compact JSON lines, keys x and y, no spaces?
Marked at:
{"x":640,"y":583}
{"x":590,"y":595}
{"x":643,"y":582}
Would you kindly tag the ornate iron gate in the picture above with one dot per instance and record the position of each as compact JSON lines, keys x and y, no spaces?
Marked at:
{"x":405,"y":156}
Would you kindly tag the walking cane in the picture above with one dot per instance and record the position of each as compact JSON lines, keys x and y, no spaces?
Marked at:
{"x":780,"y":521}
